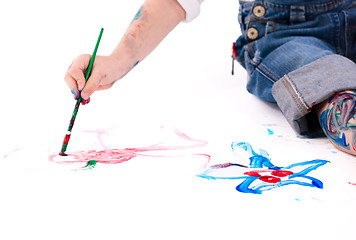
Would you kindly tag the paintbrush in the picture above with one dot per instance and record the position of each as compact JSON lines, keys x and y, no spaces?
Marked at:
{"x":79,"y":100}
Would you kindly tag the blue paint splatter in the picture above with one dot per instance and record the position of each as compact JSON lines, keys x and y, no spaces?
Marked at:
{"x":262,"y":175}
{"x":138,"y":14}
{"x":270,"y":132}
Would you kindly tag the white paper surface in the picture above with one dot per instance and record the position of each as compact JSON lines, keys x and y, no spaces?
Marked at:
{"x":184,"y":85}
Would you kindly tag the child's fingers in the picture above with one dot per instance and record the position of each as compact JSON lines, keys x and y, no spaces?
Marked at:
{"x":74,"y":76}
{"x":93,"y":83}
{"x":78,"y":76}
{"x":78,"y":69}
{"x":98,"y":80}
{"x":72,"y":84}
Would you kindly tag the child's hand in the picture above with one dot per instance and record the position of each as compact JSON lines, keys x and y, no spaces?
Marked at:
{"x":154,"y":20}
{"x":104,"y":74}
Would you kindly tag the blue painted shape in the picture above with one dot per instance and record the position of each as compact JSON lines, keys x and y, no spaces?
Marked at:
{"x":255,"y":183}
{"x":245,"y":146}
{"x":312,"y":165}
{"x":256,"y":160}
{"x":244,"y":186}
{"x":260,"y":161}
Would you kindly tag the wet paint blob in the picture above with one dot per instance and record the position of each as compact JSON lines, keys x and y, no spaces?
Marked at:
{"x":90,"y":165}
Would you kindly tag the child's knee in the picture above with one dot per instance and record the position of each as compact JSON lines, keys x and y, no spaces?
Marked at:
{"x":338,"y":120}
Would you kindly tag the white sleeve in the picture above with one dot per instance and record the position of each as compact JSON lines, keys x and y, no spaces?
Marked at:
{"x":191,"y":7}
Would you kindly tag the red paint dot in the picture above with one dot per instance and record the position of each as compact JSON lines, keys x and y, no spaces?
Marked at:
{"x":85,"y":101}
{"x":313,"y":103}
{"x":270,"y":179}
{"x":282,"y":173}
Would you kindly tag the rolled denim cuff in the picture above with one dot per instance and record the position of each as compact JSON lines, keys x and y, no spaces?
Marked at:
{"x":298,"y":91}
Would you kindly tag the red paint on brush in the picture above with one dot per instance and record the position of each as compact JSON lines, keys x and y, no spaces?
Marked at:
{"x":66,"y":138}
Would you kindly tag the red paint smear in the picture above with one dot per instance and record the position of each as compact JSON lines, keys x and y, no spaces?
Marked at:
{"x":352,"y":183}
{"x":208,"y":157}
{"x":270,"y":179}
{"x":316,"y":199}
{"x":281,"y":173}
{"x":114,"y":156}
{"x":256,"y":173}
{"x":253,"y":174}
{"x":267,"y":178}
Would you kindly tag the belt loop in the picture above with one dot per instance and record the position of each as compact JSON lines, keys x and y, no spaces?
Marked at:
{"x":297,"y":14}
{"x":270,"y":27}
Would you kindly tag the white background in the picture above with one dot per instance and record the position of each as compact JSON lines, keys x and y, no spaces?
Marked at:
{"x":184,"y":84}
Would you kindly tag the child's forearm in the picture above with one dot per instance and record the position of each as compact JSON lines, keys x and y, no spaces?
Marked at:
{"x":155,"y":19}
{"x":152,"y":23}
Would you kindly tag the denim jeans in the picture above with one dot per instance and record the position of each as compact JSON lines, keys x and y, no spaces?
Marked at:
{"x":298,"y":53}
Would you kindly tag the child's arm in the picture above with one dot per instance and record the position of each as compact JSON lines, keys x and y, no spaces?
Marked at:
{"x":154,"y":20}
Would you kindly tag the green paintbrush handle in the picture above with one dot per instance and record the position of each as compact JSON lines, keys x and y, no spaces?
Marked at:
{"x":77,"y":104}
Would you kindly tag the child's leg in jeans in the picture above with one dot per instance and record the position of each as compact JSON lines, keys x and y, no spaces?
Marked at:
{"x":338,"y":120}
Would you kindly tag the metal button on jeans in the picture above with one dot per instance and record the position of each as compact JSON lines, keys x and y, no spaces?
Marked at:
{"x":259,"y":11}
{"x":252,"y":33}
